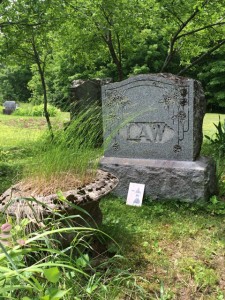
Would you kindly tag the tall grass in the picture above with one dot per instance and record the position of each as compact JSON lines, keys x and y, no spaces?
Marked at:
{"x":35,"y":266}
{"x":210,"y":119}
{"x":39,"y":266}
{"x":71,"y":158}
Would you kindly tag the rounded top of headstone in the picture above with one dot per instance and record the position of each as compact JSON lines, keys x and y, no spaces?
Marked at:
{"x":163,"y":77}
{"x":96,"y":81}
{"x":9,"y":104}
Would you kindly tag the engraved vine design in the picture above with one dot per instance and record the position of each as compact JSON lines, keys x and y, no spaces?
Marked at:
{"x":176,"y":103}
{"x":116,"y":106}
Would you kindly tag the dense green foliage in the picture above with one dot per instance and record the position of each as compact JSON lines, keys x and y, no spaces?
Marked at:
{"x":64,"y":40}
{"x":212,"y":76}
{"x":35,"y":111}
{"x":14,"y":81}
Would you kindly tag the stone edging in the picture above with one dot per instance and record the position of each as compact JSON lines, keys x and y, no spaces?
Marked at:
{"x":12,"y":201}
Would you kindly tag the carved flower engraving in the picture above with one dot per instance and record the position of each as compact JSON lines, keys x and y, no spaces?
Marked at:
{"x":177,"y":148}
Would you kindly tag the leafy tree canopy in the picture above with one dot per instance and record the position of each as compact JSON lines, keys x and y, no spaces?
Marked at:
{"x":69,"y":39}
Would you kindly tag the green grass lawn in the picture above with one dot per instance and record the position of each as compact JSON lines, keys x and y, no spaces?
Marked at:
{"x":210,"y":119}
{"x":16,"y":130}
{"x":18,"y":136}
{"x":172,"y":250}
{"x":175,"y":250}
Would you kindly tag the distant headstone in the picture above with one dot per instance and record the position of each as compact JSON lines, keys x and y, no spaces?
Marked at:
{"x":153,"y":135}
{"x":84,"y":93}
{"x":9,"y":107}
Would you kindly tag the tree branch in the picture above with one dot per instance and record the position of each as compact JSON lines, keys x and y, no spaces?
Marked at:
{"x":200,"y":29}
{"x":175,"y":37}
{"x":4,"y":24}
{"x":119,"y":47}
{"x":196,"y":61}
{"x":43,"y":83}
{"x":174,"y":14}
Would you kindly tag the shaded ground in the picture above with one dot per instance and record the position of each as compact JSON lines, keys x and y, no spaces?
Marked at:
{"x":176,"y":250}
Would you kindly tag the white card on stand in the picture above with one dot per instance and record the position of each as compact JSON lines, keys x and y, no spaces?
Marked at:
{"x":135,"y":194}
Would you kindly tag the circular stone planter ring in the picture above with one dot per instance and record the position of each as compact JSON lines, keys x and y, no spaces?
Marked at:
{"x":13,"y":201}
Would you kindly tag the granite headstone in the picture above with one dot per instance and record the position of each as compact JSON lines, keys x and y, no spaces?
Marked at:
{"x":84,"y":93}
{"x":154,"y":117}
{"x":9,"y":107}
{"x":153,"y":135}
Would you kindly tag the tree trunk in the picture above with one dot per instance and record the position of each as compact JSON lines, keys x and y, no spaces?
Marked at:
{"x":115,"y":59}
{"x":42,"y":77}
{"x":46,"y":113}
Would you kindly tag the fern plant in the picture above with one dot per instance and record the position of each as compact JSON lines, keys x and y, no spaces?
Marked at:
{"x":218,"y":138}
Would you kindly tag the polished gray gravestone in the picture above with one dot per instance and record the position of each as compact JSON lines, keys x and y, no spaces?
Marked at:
{"x":150,"y":116}
{"x":153,"y":135}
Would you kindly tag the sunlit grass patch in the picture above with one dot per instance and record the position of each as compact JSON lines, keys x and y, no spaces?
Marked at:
{"x":16,"y":130}
{"x":15,"y":136}
{"x":208,"y":127}
{"x":175,"y":246}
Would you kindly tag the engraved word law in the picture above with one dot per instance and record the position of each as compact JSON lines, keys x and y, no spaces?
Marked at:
{"x":148,"y":132}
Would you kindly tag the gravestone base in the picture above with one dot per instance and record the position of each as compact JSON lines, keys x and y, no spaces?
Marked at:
{"x":7,"y":111}
{"x":187,"y":181}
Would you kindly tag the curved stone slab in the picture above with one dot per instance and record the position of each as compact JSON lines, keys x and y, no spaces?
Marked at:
{"x":12,"y":201}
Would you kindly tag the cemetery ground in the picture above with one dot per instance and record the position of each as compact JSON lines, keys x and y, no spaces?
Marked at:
{"x":162,"y":250}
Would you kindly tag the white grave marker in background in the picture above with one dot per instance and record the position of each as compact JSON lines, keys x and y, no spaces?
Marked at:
{"x":135,"y":194}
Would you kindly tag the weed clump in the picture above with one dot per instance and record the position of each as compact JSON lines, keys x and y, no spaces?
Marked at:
{"x":68,"y":160}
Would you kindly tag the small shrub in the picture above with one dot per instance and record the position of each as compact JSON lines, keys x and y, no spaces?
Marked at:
{"x":36,"y":111}
{"x":218,"y":140}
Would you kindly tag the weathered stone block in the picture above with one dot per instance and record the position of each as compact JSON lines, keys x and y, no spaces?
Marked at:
{"x":84,"y":93}
{"x":164,"y":179}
